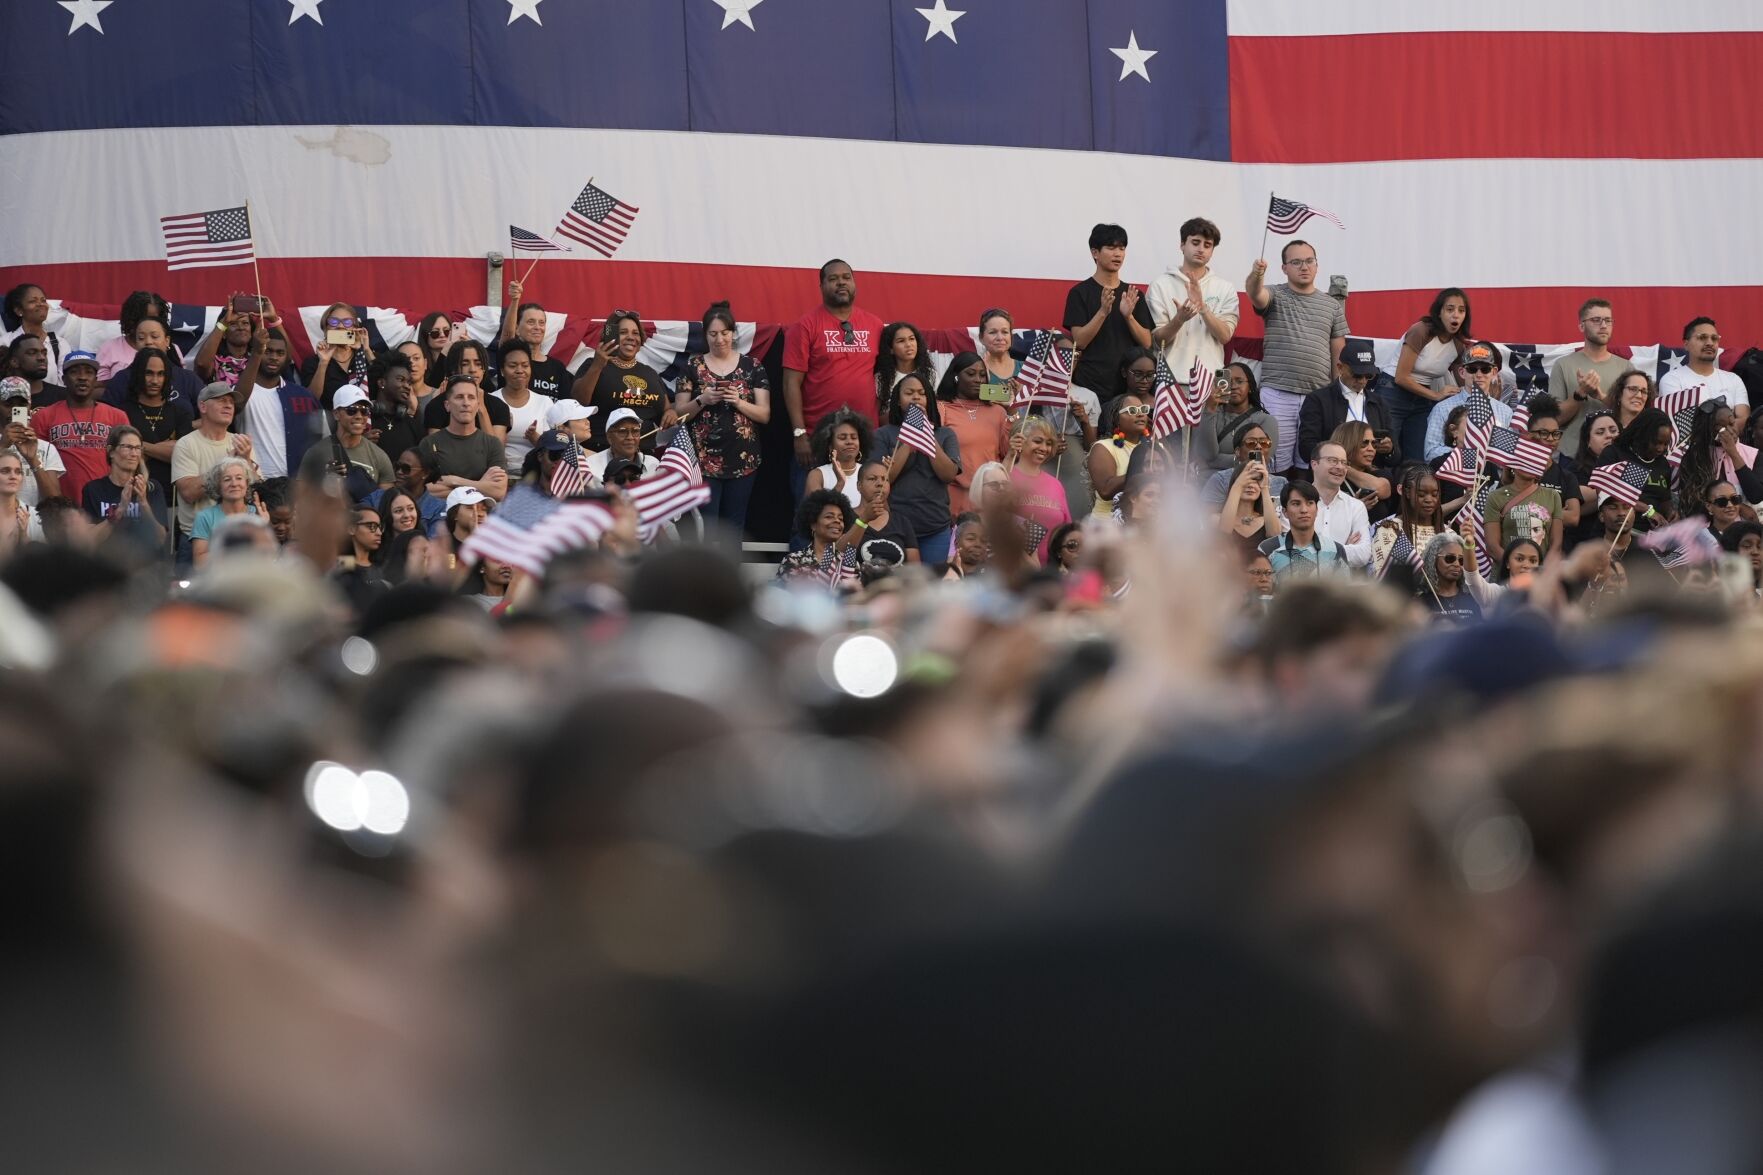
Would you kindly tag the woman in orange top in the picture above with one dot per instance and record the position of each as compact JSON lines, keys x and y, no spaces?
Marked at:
{"x":982,"y":427}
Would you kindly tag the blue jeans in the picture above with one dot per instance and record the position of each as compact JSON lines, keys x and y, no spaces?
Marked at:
{"x":934,"y":548}
{"x":1408,"y":414}
{"x":728,"y":500}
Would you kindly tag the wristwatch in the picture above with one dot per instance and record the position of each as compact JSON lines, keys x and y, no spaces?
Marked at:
{"x":1579,"y":395}
{"x":800,"y":432}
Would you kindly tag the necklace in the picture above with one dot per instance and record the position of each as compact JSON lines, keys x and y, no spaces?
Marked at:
{"x":623,"y":364}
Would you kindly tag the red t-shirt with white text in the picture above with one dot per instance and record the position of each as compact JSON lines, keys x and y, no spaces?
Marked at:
{"x":836,"y":374}
{"x":79,"y":435}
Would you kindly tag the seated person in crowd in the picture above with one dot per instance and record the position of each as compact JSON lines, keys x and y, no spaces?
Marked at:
{"x":463,"y":453}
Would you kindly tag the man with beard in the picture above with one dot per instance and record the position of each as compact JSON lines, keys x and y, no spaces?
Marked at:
{"x":278,"y":409}
{"x":80,"y":425}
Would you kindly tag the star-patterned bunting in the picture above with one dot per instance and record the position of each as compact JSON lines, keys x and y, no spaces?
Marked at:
{"x":1133,"y":58}
{"x":942,"y":20}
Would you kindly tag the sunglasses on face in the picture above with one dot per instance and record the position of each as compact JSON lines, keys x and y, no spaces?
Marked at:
{"x":1724,"y":500}
{"x":1452,"y":559}
{"x":406,"y":468}
{"x":355,"y":410}
{"x":439,"y":332}
{"x":1484,"y":368}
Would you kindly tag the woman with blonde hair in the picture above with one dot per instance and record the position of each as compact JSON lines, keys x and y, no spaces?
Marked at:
{"x":1041,"y":497}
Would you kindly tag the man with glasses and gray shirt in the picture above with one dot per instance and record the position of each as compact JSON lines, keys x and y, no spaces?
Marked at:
{"x":1305,"y":331}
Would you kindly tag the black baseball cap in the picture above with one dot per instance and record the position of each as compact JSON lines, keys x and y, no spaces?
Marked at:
{"x":1359,"y":356}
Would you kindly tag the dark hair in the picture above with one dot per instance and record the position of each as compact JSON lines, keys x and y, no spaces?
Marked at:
{"x":430,"y":471}
{"x":457,"y":351}
{"x":1584,"y":462}
{"x":1236,"y":438}
{"x":1407,"y":481}
{"x":897,"y":414}
{"x":1437,"y":324}
{"x":1506,"y":556}
{"x":1644,"y":427}
{"x":1699,"y":320}
{"x":1127,"y":358}
{"x":394,"y":552}
{"x":1105,"y":235}
{"x":387,"y":498}
{"x":515,"y":346}
{"x":1254,"y":384}
{"x":952,"y":377}
{"x":432,"y":354}
{"x":276,"y":491}
{"x":1696,"y":472}
{"x":1544,"y":405}
{"x":821,"y":444}
{"x":1055,"y":541}
{"x":1614,"y":402}
{"x":1302,"y":489}
{"x":1452,"y":417}
{"x":138,"y":371}
{"x":884,"y":363}
{"x":1199,"y":226}
{"x":609,"y":329}
{"x":14,"y":304}
{"x":718,"y":310}
{"x":834,"y":261}
{"x":1288,"y":245}
{"x":139,"y":305}
{"x":384,"y":365}
{"x":814,"y":503}
{"x":281,"y":336}
{"x":1734,"y":534}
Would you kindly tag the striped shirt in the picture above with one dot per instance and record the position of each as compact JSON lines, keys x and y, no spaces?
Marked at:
{"x":1296,"y":356}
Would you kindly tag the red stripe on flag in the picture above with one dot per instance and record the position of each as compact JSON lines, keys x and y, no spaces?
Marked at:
{"x":1546,"y":95}
{"x":766,"y":294}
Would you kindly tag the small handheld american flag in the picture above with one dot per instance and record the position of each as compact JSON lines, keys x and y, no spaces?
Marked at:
{"x":529,"y":528}
{"x":1288,"y":216}
{"x":1622,"y":480}
{"x":837,"y":569}
{"x":916,"y":433}
{"x":1685,"y":543}
{"x":1680,"y":406}
{"x":1045,"y":377}
{"x":203,"y":240}
{"x":1475,"y":510}
{"x":1461,"y":466}
{"x":1507,"y":448}
{"x":1478,"y":420}
{"x":527,"y":241}
{"x":1402,"y":551}
{"x":1171,"y":408}
{"x":571,"y":476}
{"x":680,"y":456}
{"x":598,"y":220}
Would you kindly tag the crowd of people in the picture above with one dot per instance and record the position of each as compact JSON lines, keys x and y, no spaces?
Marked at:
{"x":1076,"y":793}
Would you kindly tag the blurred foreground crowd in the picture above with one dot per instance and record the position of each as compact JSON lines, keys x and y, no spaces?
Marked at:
{"x":659,"y":871}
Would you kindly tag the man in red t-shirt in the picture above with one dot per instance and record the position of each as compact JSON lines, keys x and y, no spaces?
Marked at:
{"x":80,"y":425}
{"x":829,"y":361}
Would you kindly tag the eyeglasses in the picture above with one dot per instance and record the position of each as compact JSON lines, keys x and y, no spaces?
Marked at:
{"x":368,"y":526}
{"x":1134,"y":373}
{"x":1261,"y":572}
{"x":1545,"y":434}
{"x":128,"y":448}
{"x":1724,"y":500}
{"x":1301,"y":262}
{"x":1452,"y":559}
{"x":1071,"y":545}
{"x":1332,"y":460}
{"x":1602,"y":320}
{"x":1136,"y":410}
{"x":355,"y":410}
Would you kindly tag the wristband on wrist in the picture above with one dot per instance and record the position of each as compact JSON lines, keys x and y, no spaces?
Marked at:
{"x":862,"y":525}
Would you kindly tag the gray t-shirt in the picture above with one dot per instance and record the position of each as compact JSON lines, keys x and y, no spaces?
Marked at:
{"x":469,"y":457}
{"x":1296,"y":356}
{"x":1564,"y":381}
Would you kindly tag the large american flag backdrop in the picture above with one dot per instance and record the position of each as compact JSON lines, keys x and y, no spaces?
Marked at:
{"x":956,"y":156}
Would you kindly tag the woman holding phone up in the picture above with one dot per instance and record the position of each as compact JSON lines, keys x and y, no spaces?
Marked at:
{"x":341,"y":358}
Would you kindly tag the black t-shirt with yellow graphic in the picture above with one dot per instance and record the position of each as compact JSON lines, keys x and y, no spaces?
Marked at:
{"x":639,"y":388}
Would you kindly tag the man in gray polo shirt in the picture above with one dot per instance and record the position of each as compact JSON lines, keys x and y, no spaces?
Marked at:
{"x":1305,"y":330}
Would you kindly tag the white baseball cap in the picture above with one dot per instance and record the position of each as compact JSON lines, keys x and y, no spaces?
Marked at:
{"x":622,"y":414}
{"x":564,"y":411}
{"x":348,"y":396}
{"x":465,"y":496}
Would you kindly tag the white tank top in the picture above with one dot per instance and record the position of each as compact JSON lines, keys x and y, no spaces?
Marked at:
{"x":829,"y":479}
{"x":1432,"y":366}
